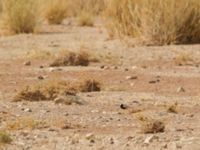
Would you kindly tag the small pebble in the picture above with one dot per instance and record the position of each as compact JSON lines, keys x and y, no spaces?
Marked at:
{"x":27,"y":63}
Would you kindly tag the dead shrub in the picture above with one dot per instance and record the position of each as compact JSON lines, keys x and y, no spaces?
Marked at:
{"x":69,"y":58}
{"x":55,"y":11}
{"x":47,"y":90}
{"x":19,"y":16}
{"x":149,"y":125}
{"x":90,"y":85}
{"x":183,"y":58}
{"x":172,"y":108}
{"x":85,"y":19}
{"x":5,"y":138}
{"x":155,"y":22}
{"x":52,"y":89}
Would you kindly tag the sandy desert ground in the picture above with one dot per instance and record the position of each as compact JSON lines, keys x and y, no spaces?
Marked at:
{"x":136,"y":82}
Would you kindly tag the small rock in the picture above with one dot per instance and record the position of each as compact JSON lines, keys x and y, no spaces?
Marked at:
{"x":27,"y":110}
{"x":41,"y":67}
{"x":152,"y":81}
{"x":40,"y":77}
{"x":150,"y":139}
{"x":126,"y":69}
{"x":123,"y":106}
{"x":134,"y":67}
{"x":180,"y":89}
{"x":102,"y":66}
{"x":115,"y":67}
{"x":89,"y":136}
{"x":27,"y":63}
{"x":106,"y":67}
{"x":131,"y":77}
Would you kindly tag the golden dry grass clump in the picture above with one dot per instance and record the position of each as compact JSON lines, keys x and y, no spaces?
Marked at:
{"x":94,"y":7}
{"x":155,"y":22}
{"x":69,"y":58}
{"x":55,"y":11}
{"x":149,"y":125}
{"x":5,"y":138}
{"x":52,"y":89}
{"x":19,"y":16}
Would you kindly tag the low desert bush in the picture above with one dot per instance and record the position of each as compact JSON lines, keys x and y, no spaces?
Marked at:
{"x":93,"y":7}
{"x":69,"y":58}
{"x":85,"y":19}
{"x":19,"y":16}
{"x":5,"y":138}
{"x":55,"y":11}
{"x":90,"y":85}
{"x":155,"y":22}
{"x":52,"y":89}
{"x":149,"y":125}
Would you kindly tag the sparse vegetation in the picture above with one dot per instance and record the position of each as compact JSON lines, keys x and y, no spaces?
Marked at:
{"x":154,"y":21}
{"x":5,"y":138}
{"x":149,"y":125}
{"x":90,"y":86}
{"x":49,"y":90}
{"x":172,"y":108}
{"x":182,"y":58}
{"x":25,"y":123}
{"x":69,"y":58}
{"x":55,"y":11}
{"x":19,"y":16}
{"x":85,"y":19}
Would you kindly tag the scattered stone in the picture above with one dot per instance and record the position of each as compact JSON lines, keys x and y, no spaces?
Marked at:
{"x":102,"y":66}
{"x":131,"y":77}
{"x":106,"y":67}
{"x":52,"y":69}
{"x":89,"y":136}
{"x":126,"y":69}
{"x":27,"y":110}
{"x":150,"y":139}
{"x":27,"y":63}
{"x":112,"y":141}
{"x":123,"y":106}
{"x":40,"y":77}
{"x":152,"y":81}
{"x":115,"y":67}
{"x":180,"y":89}
{"x":134,"y":67}
{"x":132,"y":84}
{"x":41,"y":67}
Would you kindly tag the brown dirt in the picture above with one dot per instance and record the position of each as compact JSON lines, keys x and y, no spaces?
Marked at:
{"x":100,"y":123}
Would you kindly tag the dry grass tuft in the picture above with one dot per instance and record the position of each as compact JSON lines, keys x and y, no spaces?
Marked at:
{"x":90,"y":85}
{"x":93,"y":7}
{"x":39,"y":54}
{"x":154,"y":21}
{"x":149,"y":125}
{"x":55,"y":11}
{"x":25,"y":123}
{"x":47,"y":90}
{"x":52,"y":89}
{"x":69,"y":58}
{"x":19,"y":16}
{"x":182,"y":58}
{"x":85,"y":19}
{"x":172,"y":108}
{"x":5,"y":138}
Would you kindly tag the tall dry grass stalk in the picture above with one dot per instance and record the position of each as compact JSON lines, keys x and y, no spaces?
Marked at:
{"x":19,"y":16}
{"x":94,"y":7}
{"x":155,"y":22}
{"x":55,"y":11}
